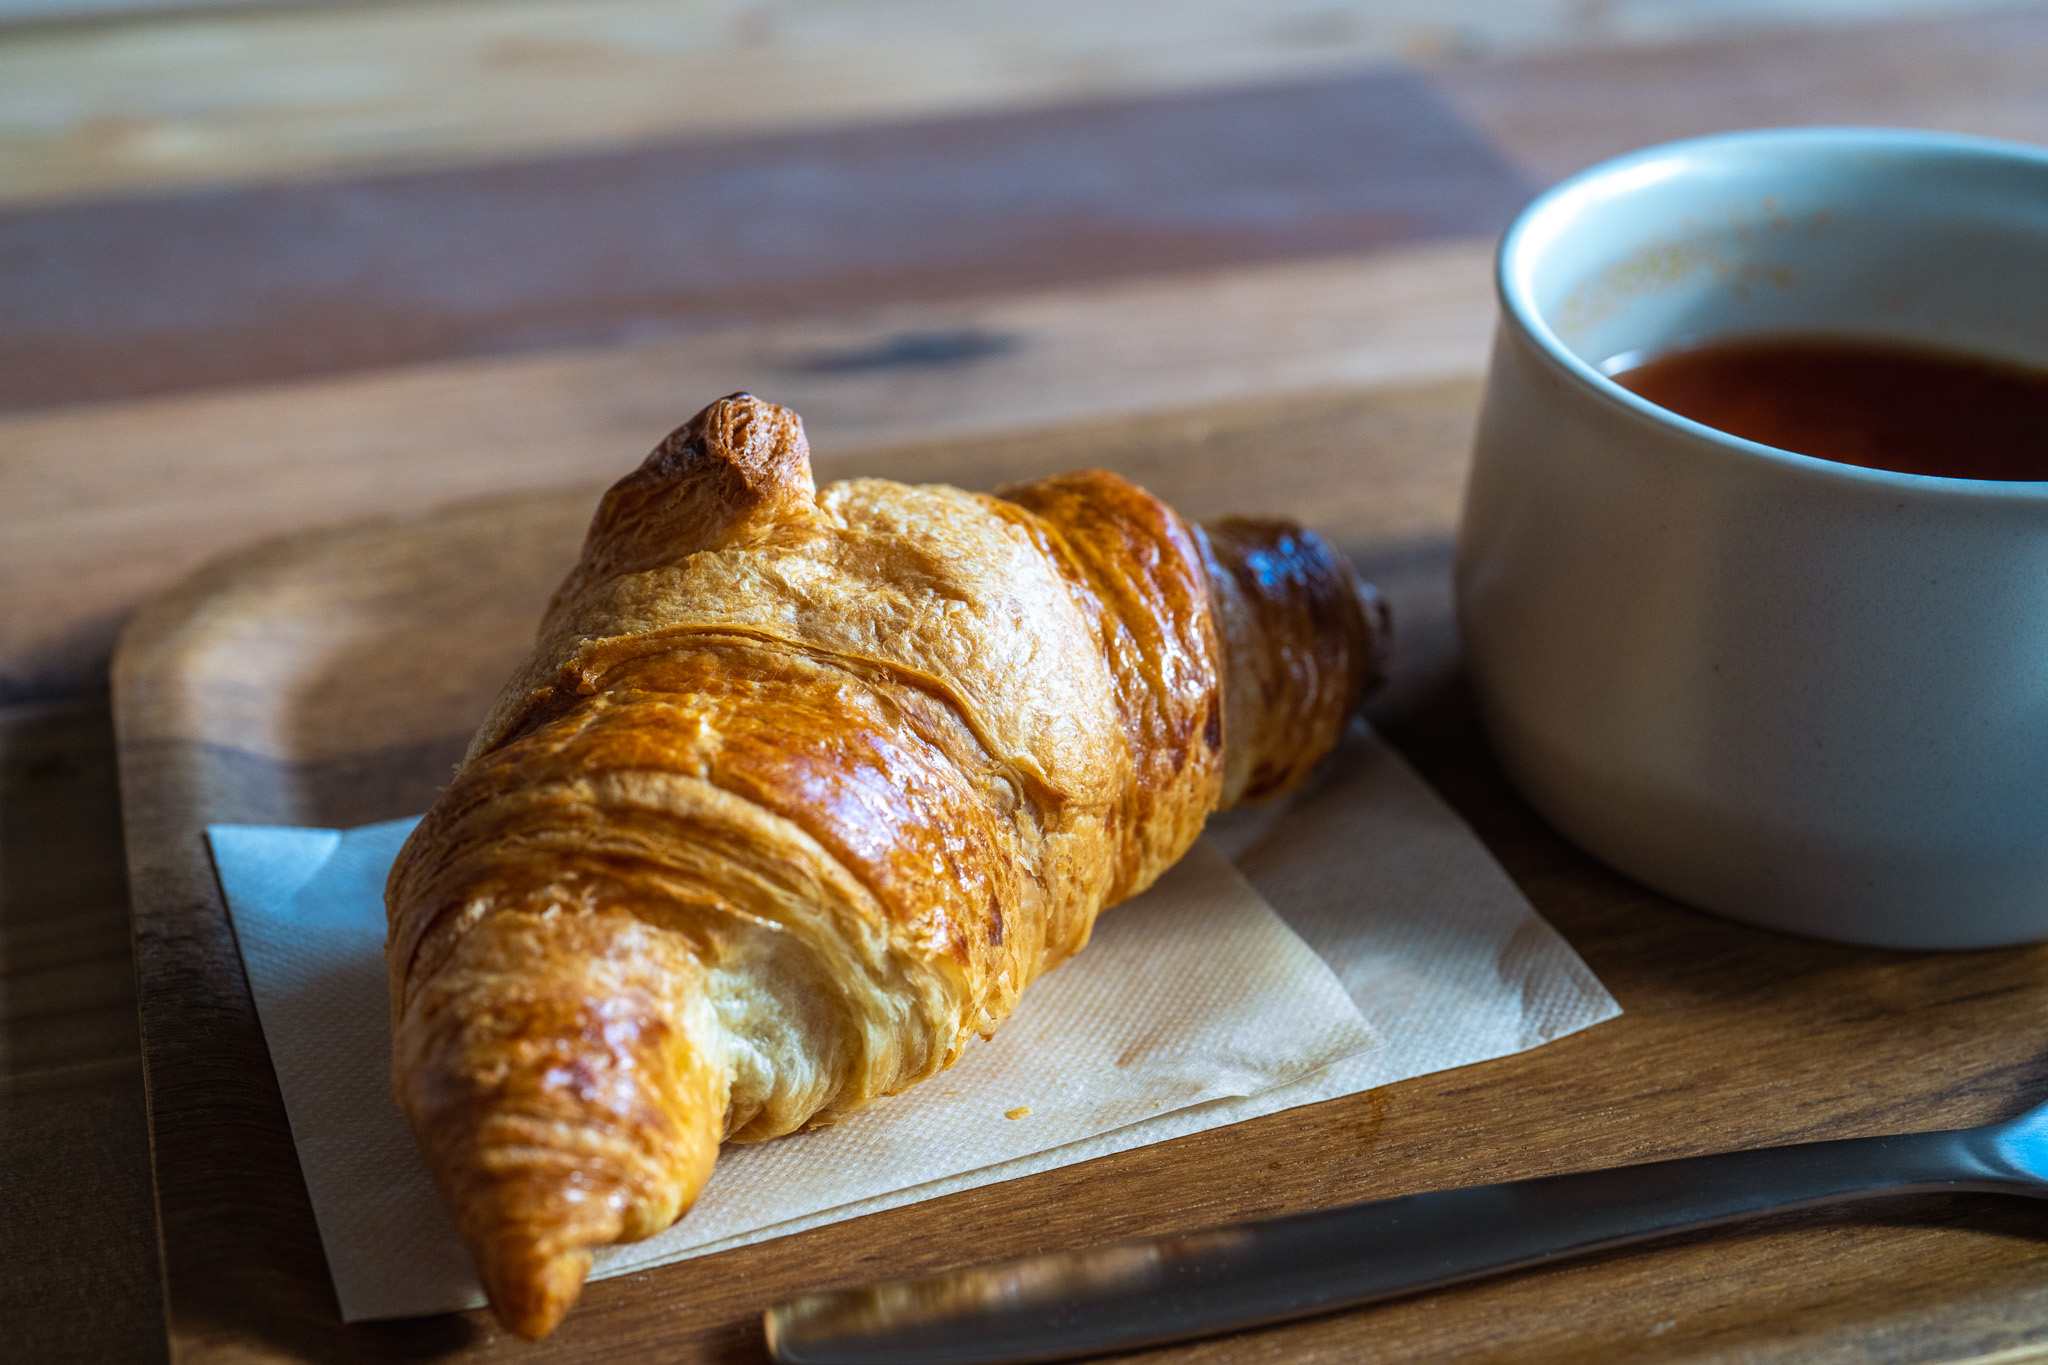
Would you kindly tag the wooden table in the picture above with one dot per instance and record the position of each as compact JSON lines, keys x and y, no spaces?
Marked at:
{"x":228,"y":324}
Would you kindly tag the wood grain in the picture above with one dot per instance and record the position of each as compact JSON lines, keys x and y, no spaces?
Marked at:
{"x":1560,"y":112}
{"x":282,"y":91}
{"x":108,"y":504}
{"x":293,"y":90}
{"x":202,"y":98}
{"x":142,"y":296}
{"x":267,"y":282}
{"x":331,"y":677}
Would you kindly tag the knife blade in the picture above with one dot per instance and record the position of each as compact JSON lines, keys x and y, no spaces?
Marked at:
{"x":1156,"y":1290}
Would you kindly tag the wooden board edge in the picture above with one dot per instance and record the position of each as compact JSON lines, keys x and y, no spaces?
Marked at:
{"x":222,"y":1263}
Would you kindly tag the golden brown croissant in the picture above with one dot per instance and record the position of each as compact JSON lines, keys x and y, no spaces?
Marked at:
{"x":799,"y":790}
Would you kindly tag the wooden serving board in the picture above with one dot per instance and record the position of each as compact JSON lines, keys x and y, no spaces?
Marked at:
{"x":333,"y":677}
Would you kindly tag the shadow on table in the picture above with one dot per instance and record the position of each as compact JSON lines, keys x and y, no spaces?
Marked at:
{"x":76,"y":1211}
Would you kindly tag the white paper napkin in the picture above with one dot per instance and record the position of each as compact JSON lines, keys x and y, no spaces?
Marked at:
{"x":1195,"y":1006}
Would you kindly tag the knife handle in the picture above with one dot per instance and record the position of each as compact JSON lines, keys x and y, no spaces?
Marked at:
{"x":1146,"y":1293}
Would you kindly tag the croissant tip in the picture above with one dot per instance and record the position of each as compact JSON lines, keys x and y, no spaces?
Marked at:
{"x":532,"y":1293}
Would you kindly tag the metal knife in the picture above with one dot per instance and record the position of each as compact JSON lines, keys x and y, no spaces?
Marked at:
{"x":1162,"y":1289}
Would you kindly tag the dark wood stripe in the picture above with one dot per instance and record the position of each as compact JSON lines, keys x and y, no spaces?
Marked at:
{"x":231,"y":286}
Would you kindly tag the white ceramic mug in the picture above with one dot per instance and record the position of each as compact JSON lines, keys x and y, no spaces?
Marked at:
{"x":1804,"y":694}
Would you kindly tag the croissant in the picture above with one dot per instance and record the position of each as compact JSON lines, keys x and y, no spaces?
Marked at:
{"x":801,"y":788}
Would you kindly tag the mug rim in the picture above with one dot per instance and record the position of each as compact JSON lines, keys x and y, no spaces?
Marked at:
{"x":1514,"y":264}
